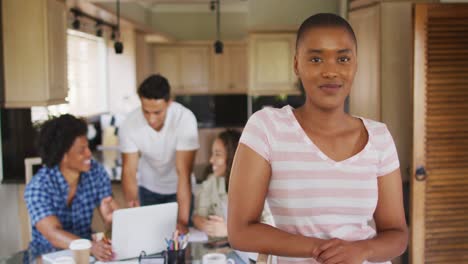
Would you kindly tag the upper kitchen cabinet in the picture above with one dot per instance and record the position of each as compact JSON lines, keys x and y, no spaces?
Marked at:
{"x":167,"y":63}
{"x":271,"y":60}
{"x":230,"y":69}
{"x":35,"y":54}
{"x":187,"y":67}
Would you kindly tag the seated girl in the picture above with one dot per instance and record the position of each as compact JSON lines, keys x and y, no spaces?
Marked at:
{"x":211,"y":199}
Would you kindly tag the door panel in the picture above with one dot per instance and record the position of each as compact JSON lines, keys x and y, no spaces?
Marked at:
{"x":439,"y":186}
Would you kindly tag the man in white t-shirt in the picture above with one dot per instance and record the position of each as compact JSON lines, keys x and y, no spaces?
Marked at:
{"x":159,"y":140}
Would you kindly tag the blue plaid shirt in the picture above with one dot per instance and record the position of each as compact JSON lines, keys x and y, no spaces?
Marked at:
{"x":46,"y":195}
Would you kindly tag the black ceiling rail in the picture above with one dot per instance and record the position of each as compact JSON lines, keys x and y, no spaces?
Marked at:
{"x":78,"y":13}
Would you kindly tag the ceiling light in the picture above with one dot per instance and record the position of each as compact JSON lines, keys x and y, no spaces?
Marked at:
{"x":99,"y":28}
{"x":76,"y":23}
{"x":218,"y":45}
{"x":118,"y":46}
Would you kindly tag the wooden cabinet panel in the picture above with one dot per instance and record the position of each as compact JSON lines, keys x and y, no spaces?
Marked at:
{"x":365,"y":97}
{"x":186,"y":67}
{"x":382,"y":85}
{"x":57,"y":45}
{"x":230,"y":70}
{"x":34,"y":52}
{"x":195,"y":68}
{"x":237,"y":72}
{"x":167,"y":63}
{"x":271,"y":59}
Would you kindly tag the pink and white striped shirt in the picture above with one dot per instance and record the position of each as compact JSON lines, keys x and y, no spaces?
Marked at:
{"x":311,"y":194}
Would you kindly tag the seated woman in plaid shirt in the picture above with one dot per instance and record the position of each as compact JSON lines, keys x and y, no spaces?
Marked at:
{"x":62,"y":195}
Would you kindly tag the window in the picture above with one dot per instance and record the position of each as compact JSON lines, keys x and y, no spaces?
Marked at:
{"x":87,"y":78}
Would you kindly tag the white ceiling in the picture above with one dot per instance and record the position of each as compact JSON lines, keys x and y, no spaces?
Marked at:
{"x":183,"y":5}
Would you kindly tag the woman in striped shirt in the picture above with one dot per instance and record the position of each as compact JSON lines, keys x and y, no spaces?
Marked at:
{"x":324,"y":173}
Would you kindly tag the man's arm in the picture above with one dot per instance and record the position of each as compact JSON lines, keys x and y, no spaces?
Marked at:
{"x":106,"y":208}
{"x":184,"y":164}
{"x":51,"y":228}
{"x":129,"y":179}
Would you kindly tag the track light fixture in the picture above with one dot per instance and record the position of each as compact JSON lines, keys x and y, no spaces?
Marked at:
{"x":99,"y":28}
{"x":218,"y":45}
{"x":76,"y":23}
{"x":113,"y":35}
{"x":118,"y":45}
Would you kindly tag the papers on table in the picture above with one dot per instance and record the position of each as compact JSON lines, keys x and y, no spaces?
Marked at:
{"x":135,"y":261}
{"x":51,"y":257}
{"x":197,"y":235}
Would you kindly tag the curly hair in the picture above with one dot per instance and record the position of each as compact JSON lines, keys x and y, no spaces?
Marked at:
{"x":230,"y":139}
{"x":56,"y":136}
{"x":155,"y":87}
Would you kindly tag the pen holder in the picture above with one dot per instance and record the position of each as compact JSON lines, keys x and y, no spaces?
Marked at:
{"x":174,"y":256}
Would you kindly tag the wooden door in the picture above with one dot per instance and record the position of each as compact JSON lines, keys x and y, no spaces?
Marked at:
{"x":439,"y":184}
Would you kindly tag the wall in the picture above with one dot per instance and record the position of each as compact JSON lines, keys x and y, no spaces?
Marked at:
{"x":143,"y":51}
{"x":10,"y":241}
{"x":122,"y":74}
{"x":200,"y":26}
{"x":396,"y":80}
{"x":135,"y":12}
{"x":140,"y":14}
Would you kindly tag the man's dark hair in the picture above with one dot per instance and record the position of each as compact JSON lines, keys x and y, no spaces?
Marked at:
{"x":155,"y":87}
{"x":324,"y":20}
{"x":230,"y":139}
{"x":56,"y":136}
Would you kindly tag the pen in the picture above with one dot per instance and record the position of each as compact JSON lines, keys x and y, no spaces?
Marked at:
{"x":168,"y":243}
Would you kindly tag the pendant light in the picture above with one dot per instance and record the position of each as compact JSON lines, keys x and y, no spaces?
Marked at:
{"x":118,"y":45}
{"x":218,"y":45}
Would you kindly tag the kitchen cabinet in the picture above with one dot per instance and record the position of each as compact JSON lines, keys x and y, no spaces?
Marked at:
{"x":366,"y":86}
{"x":35,"y":54}
{"x":167,"y":63}
{"x":271,"y":61}
{"x":230,"y":70}
{"x":187,"y":67}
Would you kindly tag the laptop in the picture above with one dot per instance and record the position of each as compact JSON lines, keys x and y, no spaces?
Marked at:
{"x":142,"y":229}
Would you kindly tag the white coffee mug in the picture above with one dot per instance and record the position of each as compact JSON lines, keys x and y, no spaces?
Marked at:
{"x":217,"y":258}
{"x":81,"y":249}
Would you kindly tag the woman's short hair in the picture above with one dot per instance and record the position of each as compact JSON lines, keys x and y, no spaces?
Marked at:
{"x":56,"y":136}
{"x":324,"y":20}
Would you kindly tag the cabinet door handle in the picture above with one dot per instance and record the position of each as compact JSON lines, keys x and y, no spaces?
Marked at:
{"x":421,"y":174}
